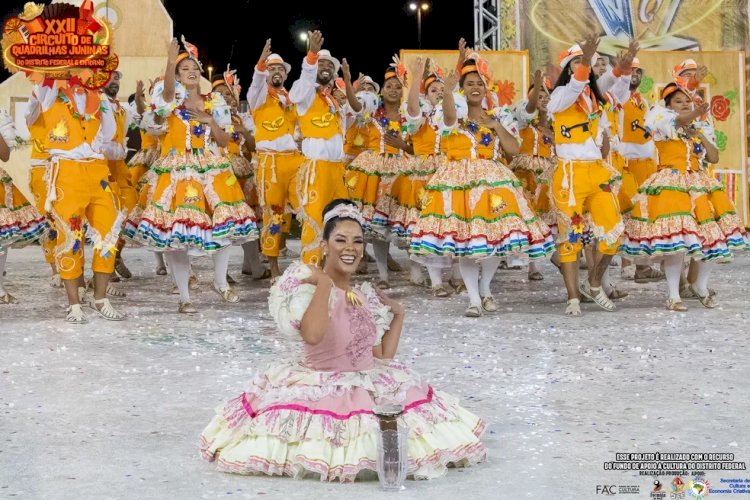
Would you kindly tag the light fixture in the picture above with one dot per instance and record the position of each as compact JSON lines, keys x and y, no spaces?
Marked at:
{"x":412,"y":6}
{"x":425,"y":6}
{"x":303,"y":36}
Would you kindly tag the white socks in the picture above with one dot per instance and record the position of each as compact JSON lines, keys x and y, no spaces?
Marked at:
{"x":415,"y":272}
{"x":489,"y":267}
{"x":470,"y":274}
{"x":673,"y":271}
{"x":701,"y":281}
{"x":179,"y":267}
{"x":380,"y":249}
{"x":436,"y":275}
{"x":221,"y":266}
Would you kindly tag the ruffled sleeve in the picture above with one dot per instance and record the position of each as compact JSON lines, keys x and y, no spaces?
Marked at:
{"x":507,"y":119}
{"x":523,"y":117}
{"x":662,"y":123}
{"x":248,"y":122}
{"x":369,"y":101}
{"x":706,"y":127}
{"x":220,"y":110}
{"x":7,"y":129}
{"x":162,"y":107}
{"x":148,"y":123}
{"x":289,"y":299}
{"x":414,"y":123}
{"x":462,"y":111}
{"x":381,"y":313}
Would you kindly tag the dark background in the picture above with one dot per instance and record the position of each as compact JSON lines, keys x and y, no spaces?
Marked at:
{"x":366,"y":33}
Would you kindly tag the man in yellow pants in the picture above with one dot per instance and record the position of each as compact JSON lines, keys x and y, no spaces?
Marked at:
{"x":321,"y":177}
{"x":79,"y":124}
{"x":278,"y":157}
{"x":115,"y":154}
{"x":39,"y":159}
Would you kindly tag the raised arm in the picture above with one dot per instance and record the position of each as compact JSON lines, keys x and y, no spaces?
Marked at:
{"x":563,"y":97}
{"x":449,"y":102}
{"x":534,"y":94}
{"x":169,"y":73}
{"x":416,"y":68}
{"x":351,"y":94}
{"x":140,"y":97}
{"x":302,"y":92}
{"x":256,"y":94}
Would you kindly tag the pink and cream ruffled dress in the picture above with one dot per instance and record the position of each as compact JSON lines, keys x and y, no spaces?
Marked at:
{"x":314,"y":416}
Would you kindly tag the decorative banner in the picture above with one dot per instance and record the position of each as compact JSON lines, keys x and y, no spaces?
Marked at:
{"x":59,"y":41}
{"x":724,"y":89}
{"x":510,"y":69}
{"x":550,"y":26}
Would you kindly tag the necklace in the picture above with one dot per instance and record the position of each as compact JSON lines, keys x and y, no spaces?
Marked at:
{"x":352,"y":298}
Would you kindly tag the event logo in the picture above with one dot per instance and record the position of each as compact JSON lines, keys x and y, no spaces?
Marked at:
{"x":657,"y":492}
{"x":677,"y":488}
{"x":698,"y":488}
{"x":59,"y":41}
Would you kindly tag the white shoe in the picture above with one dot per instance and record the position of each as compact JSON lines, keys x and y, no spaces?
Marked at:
{"x":228,"y":294}
{"x":161,"y":270}
{"x":488,"y":304}
{"x":75,"y":315}
{"x":573,"y":308}
{"x":105,"y":310}
{"x":56,"y":281}
{"x":598,"y":296}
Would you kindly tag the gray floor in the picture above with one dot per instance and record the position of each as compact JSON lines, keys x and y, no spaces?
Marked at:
{"x":114,"y":410}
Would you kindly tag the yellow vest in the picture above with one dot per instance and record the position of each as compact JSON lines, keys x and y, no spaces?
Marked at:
{"x":38,"y":132}
{"x":66,"y":132}
{"x":532,"y":143}
{"x":633,"y":122}
{"x":120,"y":116}
{"x":574,"y":125}
{"x":273,"y":121}
{"x":319,"y":122}
{"x":148,"y":141}
{"x":678,"y":154}
{"x":611,"y":108}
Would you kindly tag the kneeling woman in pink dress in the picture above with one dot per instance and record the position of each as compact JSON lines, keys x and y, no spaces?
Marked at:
{"x":315,"y":415}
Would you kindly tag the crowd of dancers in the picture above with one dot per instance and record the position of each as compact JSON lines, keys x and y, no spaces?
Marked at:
{"x":584,"y":165}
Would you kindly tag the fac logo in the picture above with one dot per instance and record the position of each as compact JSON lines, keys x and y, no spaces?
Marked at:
{"x":606,"y":489}
{"x":677,"y":488}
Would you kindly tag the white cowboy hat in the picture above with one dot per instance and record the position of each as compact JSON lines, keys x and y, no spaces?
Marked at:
{"x":276,"y":59}
{"x":325,"y":55}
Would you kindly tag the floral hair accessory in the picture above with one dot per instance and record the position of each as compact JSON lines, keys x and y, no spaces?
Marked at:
{"x":344,"y":210}
{"x":397,"y":70}
{"x":191,"y":51}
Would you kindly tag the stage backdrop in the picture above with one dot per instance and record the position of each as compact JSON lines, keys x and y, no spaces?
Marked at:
{"x":723,"y":88}
{"x":550,"y":26}
{"x":510,"y":69}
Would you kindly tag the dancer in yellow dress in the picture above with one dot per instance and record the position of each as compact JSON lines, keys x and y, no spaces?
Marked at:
{"x":195,"y":203}
{"x":679,"y":210}
{"x":20,"y":221}
{"x":475,"y":208}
